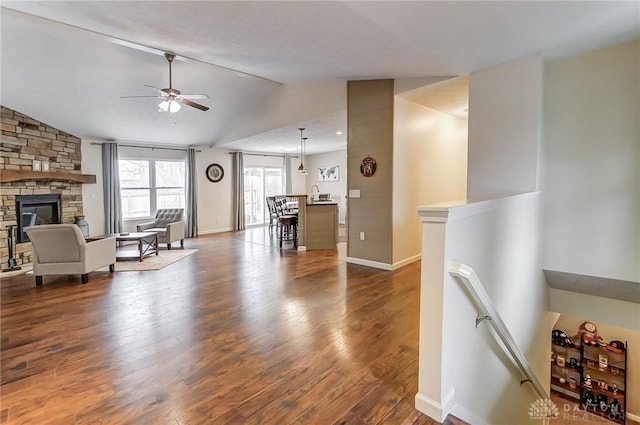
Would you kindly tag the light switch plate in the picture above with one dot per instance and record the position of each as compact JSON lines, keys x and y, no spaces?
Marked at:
{"x":354,"y":193}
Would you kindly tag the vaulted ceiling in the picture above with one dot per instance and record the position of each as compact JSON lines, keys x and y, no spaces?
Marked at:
{"x":69,"y":63}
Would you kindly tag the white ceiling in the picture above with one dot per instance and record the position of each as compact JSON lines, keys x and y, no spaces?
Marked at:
{"x":72,"y":76}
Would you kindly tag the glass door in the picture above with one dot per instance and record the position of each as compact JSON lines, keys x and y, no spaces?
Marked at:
{"x":260,"y":182}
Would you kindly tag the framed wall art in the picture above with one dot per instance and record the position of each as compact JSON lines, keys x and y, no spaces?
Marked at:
{"x":368,"y":166}
{"x":329,"y":174}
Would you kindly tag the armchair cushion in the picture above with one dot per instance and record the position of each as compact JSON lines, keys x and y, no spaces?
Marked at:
{"x":169,"y":215}
{"x":61,"y":249}
{"x":145,"y":226}
{"x":168,"y":224}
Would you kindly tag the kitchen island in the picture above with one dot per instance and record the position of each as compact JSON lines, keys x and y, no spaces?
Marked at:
{"x":321,"y":225}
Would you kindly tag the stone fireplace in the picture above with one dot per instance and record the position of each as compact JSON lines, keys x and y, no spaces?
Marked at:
{"x":24,"y":140}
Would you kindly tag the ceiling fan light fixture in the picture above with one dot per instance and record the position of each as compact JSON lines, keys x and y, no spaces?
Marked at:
{"x":173,"y":99}
{"x":170,"y":106}
{"x":174,"y":106}
{"x":163,"y":106}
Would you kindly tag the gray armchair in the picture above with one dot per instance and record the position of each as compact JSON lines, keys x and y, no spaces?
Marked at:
{"x":168,"y":224}
{"x":61,"y":249}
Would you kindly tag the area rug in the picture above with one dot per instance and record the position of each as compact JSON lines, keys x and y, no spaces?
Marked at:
{"x":154,"y":262}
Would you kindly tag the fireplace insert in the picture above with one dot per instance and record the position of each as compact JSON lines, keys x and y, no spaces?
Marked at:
{"x":32,"y":210}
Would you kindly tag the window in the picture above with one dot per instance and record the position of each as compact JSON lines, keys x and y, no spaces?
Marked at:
{"x":149,"y":184}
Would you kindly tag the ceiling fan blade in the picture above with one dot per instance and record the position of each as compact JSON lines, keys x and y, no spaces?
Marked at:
{"x":156,"y":89}
{"x":169,"y":95}
{"x":194,"y":104}
{"x":194,"y":96}
{"x":136,"y":97}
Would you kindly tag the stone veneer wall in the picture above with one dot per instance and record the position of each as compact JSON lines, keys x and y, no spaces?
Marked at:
{"x":24,"y":140}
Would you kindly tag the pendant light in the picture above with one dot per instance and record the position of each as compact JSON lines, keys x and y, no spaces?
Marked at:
{"x":301,"y":167}
{"x":304,"y":171}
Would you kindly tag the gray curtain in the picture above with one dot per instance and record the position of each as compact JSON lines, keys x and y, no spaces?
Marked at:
{"x":287,"y":175}
{"x":238,"y":191}
{"x":191,"y":196}
{"x":111,"y":188}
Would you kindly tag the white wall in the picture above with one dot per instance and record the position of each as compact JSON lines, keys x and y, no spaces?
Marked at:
{"x":500,"y":240}
{"x":214,"y":199}
{"x":92,"y":194}
{"x":260,"y":160}
{"x":430,"y":166}
{"x":571,"y":324}
{"x":298,"y":181}
{"x":592,"y":157}
{"x":337,"y":189}
{"x":505,"y":118}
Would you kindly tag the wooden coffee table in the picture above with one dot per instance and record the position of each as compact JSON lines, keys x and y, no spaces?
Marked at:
{"x":147,"y":244}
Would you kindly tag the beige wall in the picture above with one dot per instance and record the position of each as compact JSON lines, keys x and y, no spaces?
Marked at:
{"x":370,"y":133}
{"x":591,"y":157}
{"x":430,"y":166}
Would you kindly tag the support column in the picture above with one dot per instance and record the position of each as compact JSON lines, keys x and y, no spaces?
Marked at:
{"x":434,"y":399}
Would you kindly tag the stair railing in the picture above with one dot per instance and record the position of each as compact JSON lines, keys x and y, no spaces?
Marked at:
{"x":487,"y":312}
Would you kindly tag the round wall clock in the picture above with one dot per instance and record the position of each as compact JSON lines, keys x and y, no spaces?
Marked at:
{"x":215,"y":173}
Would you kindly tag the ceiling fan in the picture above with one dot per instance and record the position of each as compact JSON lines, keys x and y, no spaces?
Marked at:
{"x":172,"y":99}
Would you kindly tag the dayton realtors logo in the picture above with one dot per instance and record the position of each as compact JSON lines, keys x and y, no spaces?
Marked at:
{"x":543,"y":408}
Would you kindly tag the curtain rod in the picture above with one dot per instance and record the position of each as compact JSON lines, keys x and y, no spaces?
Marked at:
{"x":146,"y":147}
{"x":265,"y":154}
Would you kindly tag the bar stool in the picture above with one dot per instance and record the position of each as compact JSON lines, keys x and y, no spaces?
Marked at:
{"x":289,"y":229}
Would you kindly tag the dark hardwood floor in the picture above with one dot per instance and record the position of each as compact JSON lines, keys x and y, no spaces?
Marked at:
{"x":238,"y":333}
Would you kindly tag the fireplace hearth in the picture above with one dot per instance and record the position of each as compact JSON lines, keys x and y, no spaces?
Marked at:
{"x":34,"y":210}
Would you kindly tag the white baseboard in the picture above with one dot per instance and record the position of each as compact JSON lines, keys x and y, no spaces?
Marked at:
{"x":384,"y":266}
{"x":468,"y":417}
{"x":406,"y":261}
{"x":434,"y":409}
{"x":369,"y":263}
{"x":633,"y":417}
{"x":209,"y":232}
